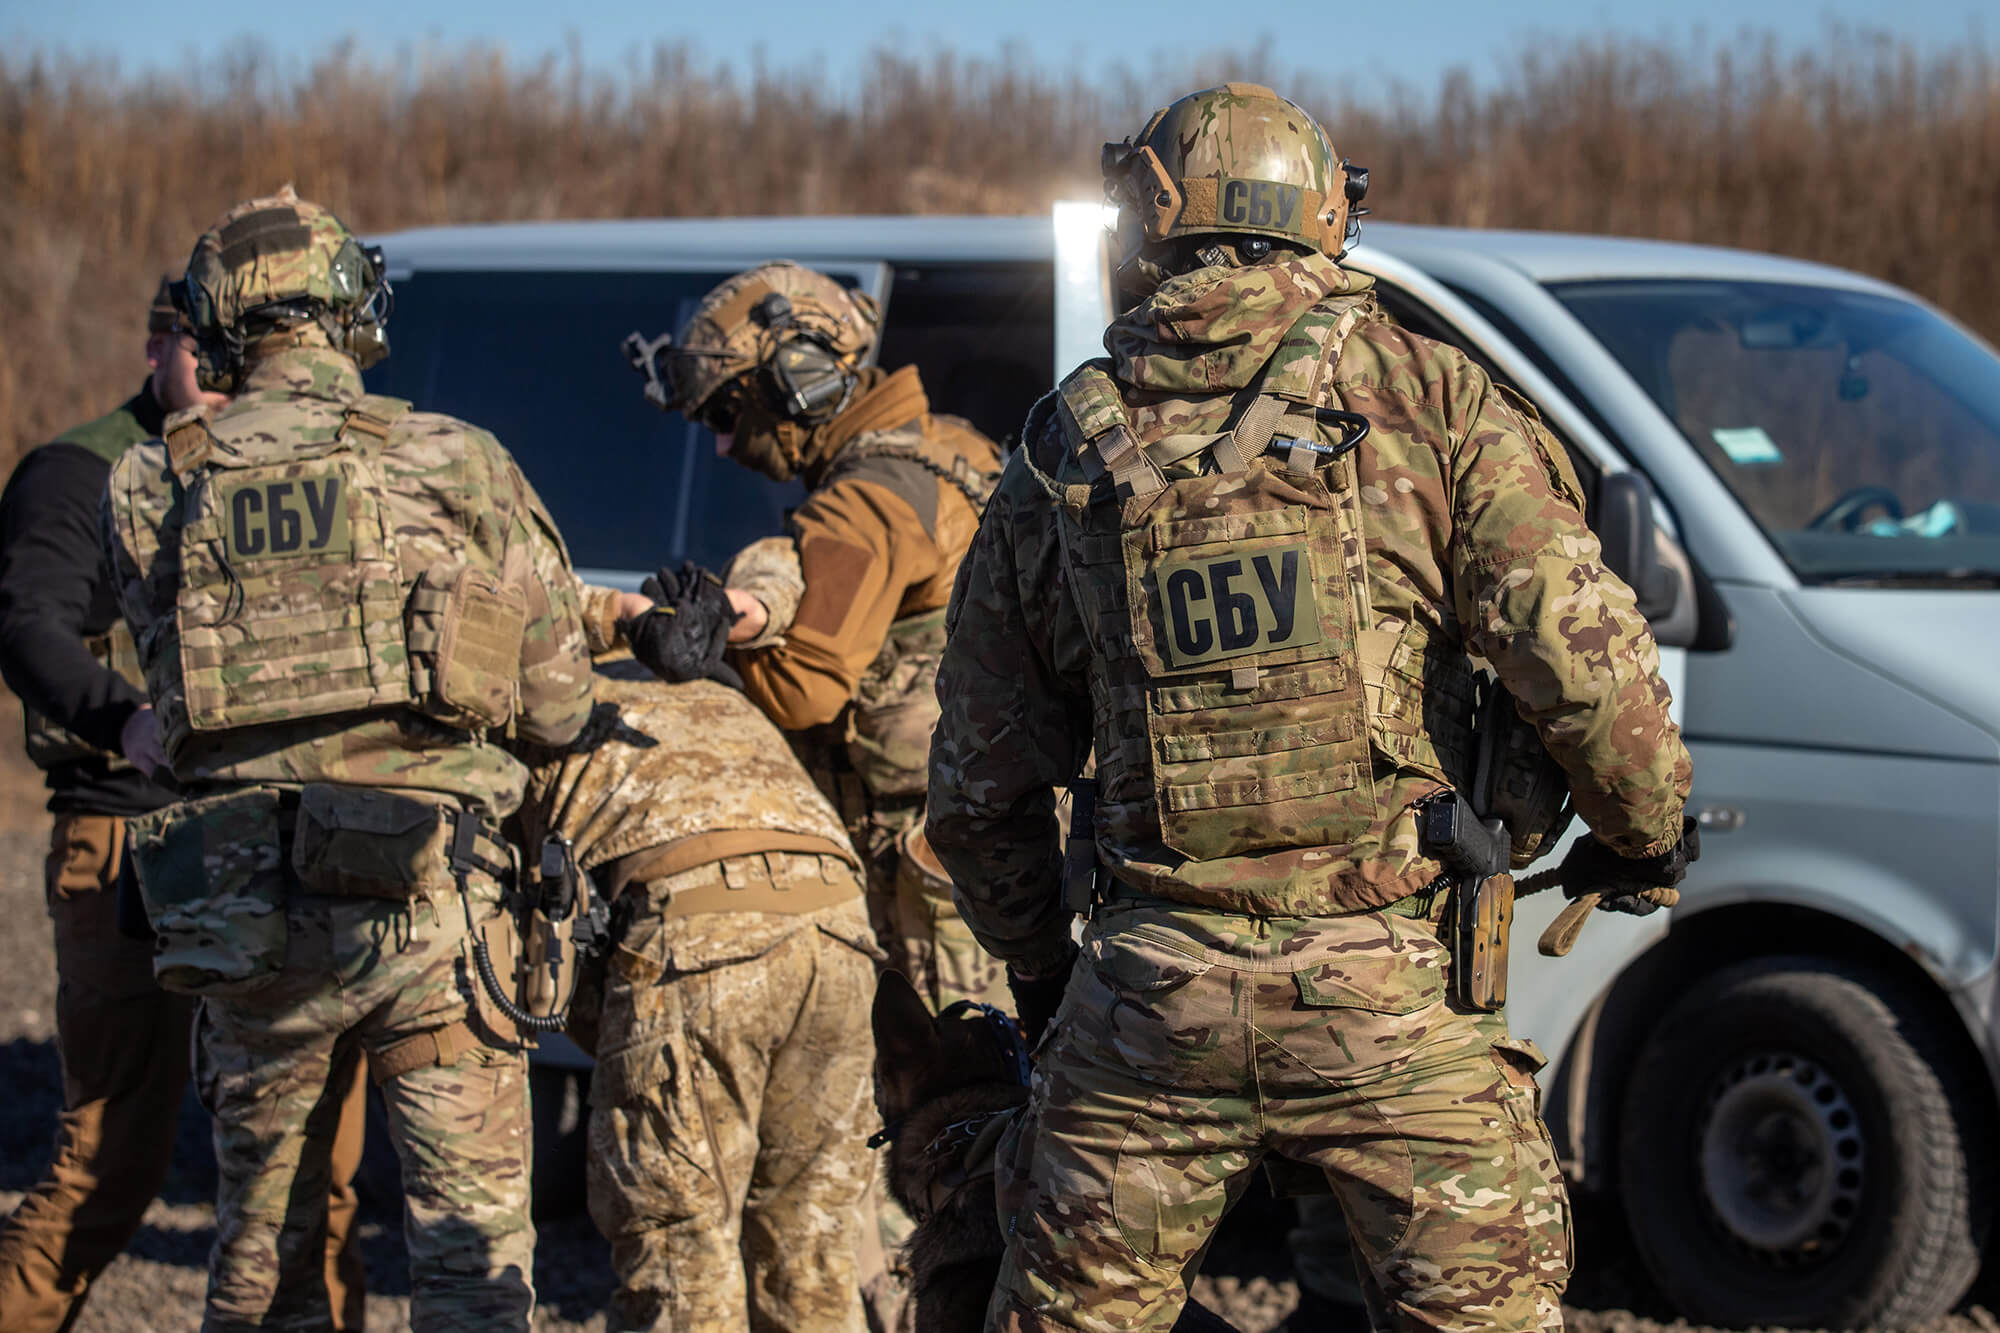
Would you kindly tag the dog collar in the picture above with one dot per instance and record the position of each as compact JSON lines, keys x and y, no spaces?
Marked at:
{"x":1005,"y":1032}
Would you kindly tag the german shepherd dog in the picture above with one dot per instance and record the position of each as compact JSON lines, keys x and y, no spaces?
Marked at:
{"x":947,"y":1086}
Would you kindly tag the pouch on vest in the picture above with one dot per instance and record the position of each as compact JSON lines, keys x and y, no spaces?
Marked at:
{"x":368,"y":843}
{"x":895,"y":708}
{"x":465,"y":631}
{"x":1226,"y":625}
{"x":1244,"y":626}
{"x":291,"y":602}
{"x":213,"y":877}
{"x":49,"y":745}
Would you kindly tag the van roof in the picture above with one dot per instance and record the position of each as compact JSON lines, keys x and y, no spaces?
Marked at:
{"x":644,"y":243}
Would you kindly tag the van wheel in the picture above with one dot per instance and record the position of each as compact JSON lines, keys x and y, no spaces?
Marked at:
{"x":1793,"y":1150}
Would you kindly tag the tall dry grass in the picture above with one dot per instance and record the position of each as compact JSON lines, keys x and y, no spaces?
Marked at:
{"x":1860,"y":152}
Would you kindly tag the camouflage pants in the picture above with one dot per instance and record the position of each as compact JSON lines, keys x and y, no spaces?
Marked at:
{"x":729,"y":1114}
{"x":1190,"y":1045}
{"x":361,"y":975}
{"x":916,"y":921}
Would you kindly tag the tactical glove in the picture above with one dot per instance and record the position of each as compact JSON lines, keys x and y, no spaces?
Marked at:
{"x":1037,"y":998}
{"x":1637,"y":885}
{"x":685,"y":634}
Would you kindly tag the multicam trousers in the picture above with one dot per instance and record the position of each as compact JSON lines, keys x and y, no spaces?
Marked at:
{"x":1192,"y":1044}
{"x":361,"y":975}
{"x":730,"y":1109}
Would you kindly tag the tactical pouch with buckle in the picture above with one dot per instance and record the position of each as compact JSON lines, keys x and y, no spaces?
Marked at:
{"x":214,"y":879}
{"x":362,"y":842}
{"x":465,"y":629}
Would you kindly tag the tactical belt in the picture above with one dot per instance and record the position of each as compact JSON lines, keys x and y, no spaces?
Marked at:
{"x":719,"y":897}
{"x":1421,"y":905}
{"x":700,"y":849}
{"x":441,"y":1046}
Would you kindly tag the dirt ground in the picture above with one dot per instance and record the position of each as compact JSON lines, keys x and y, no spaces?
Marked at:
{"x":156,"y":1287}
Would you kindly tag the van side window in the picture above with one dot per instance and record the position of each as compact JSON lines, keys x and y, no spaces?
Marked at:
{"x":534,"y":357}
{"x":981,"y":335}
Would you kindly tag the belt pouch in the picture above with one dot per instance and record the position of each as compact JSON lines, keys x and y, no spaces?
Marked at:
{"x":213,"y":877}
{"x":367,"y":843}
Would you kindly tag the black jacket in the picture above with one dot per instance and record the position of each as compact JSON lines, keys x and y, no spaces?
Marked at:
{"x":54,"y":591}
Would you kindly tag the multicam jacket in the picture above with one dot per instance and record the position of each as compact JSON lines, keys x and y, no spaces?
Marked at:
{"x":440,"y":495}
{"x":1453,"y":527}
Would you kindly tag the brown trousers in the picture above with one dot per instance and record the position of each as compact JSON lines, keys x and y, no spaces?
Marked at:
{"x":124,"y":1047}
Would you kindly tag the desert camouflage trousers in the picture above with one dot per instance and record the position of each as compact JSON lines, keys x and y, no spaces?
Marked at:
{"x":360,"y":976}
{"x":730,"y":1112}
{"x":1190,"y":1045}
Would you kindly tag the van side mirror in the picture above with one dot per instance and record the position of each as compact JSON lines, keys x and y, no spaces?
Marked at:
{"x":1625,"y":527}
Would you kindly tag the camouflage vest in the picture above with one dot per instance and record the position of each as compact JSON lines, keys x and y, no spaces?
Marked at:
{"x":1240,"y":689}
{"x":291,"y":604}
{"x":895,"y":706}
{"x":48,"y":744}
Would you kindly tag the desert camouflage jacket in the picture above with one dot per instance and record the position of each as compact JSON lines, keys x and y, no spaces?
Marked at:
{"x":1471,"y":540}
{"x":451,"y":493}
{"x":693,"y":770}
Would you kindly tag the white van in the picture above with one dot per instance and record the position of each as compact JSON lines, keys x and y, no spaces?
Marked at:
{"x":1790,"y":1081}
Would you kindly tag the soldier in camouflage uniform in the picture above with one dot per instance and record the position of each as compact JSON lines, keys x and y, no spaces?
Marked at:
{"x":339,"y":602}
{"x":124,"y":1043}
{"x":1247,"y":557}
{"x":730,"y":1103}
{"x":842,"y":618}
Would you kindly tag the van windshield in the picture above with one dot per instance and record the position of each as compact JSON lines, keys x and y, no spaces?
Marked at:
{"x":1861,"y":431}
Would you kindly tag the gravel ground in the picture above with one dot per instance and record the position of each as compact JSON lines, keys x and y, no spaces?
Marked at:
{"x":156,"y":1287}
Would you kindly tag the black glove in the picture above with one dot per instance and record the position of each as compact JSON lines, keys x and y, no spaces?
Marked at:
{"x":685,"y":634}
{"x":1036,"y":1000}
{"x":1636,"y":885}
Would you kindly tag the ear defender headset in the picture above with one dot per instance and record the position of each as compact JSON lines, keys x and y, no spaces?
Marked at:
{"x":809,"y":380}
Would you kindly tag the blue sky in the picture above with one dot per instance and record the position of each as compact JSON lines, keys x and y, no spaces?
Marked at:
{"x":1408,"y":42}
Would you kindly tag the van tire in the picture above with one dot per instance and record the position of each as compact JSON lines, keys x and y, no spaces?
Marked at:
{"x":1793,"y":1150}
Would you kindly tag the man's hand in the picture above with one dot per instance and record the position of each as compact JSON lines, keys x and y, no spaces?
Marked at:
{"x":1038,"y":995}
{"x":1636,"y":885}
{"x":140,"y":740}
{"x":685,"y":631}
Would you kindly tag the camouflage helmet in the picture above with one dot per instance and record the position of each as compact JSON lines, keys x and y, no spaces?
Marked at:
{"x":766,"y":357}
{"x":275,"y":262}
{"x":739,"y":327}
{"x":1235,"y":161}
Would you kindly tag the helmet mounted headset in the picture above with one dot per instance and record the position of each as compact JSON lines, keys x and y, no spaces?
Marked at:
{"x":270,"y":265}
{"x":799,"y":371}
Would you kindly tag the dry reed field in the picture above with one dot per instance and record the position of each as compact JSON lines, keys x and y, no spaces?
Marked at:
{"x":1859,"y":151}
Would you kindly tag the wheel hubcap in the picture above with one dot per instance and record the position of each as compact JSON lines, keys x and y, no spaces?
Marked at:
{"x":1782,"y":1159}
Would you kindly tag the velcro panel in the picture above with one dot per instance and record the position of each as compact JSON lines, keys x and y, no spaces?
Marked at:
{"x":266,"y":232}
{"x":284,"y":614}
